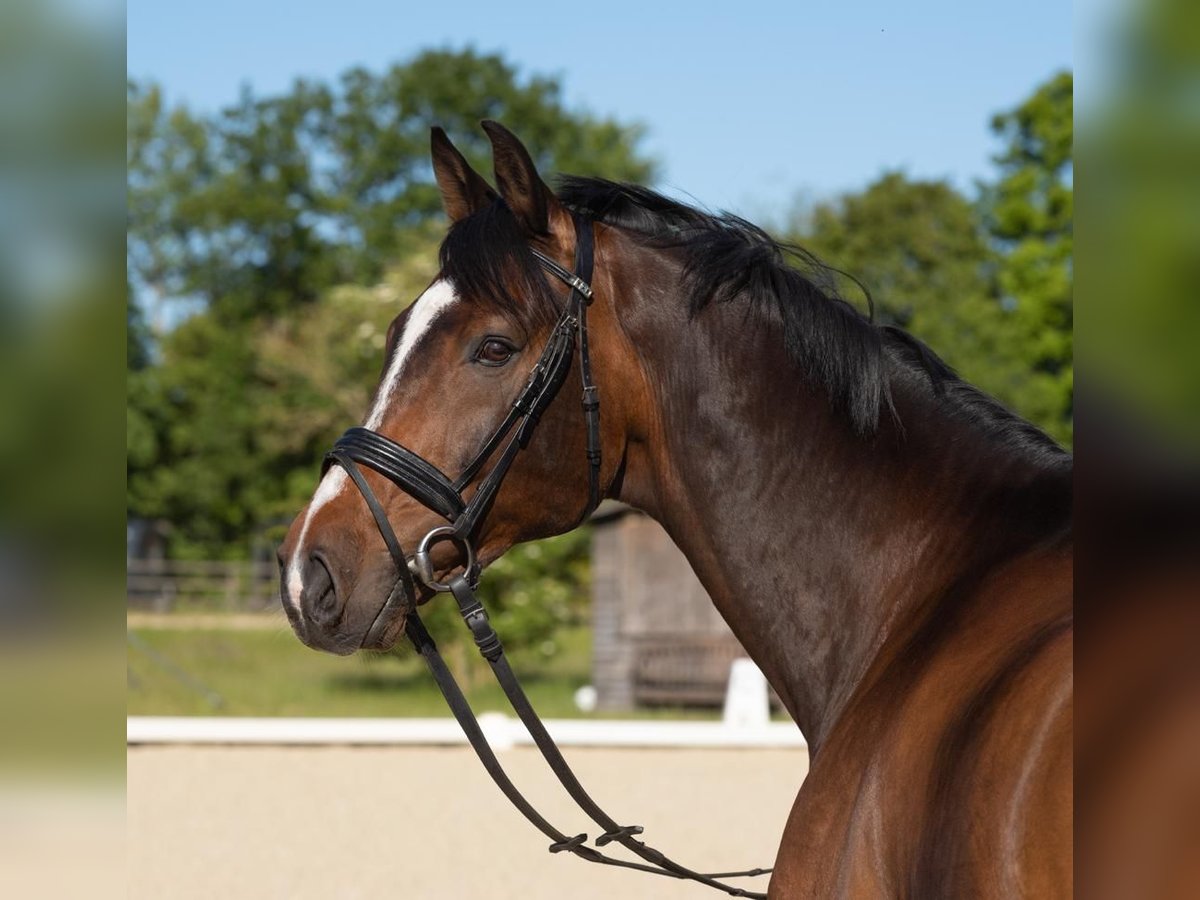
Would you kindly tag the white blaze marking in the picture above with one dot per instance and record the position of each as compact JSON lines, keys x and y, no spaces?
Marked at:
{"x":330,"y":487}
{"x":425,"y":310}
{"x":428,"y":307}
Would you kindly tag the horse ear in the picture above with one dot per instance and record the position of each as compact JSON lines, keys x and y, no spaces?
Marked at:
{"x":463,"y":189}
{"x":522,"y":188}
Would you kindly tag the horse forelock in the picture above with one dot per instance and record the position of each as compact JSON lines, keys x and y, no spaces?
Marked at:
{"x":489,"y":259}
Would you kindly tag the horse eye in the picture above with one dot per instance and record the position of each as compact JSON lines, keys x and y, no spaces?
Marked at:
{"x":494,"y":352}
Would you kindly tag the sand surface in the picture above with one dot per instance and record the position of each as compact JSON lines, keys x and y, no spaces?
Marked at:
{"x":427,"y":823}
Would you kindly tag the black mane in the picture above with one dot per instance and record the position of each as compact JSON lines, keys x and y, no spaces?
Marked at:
{"x":727,"y":258}
{"x":486,"y":252}
{"x":840,"y":348}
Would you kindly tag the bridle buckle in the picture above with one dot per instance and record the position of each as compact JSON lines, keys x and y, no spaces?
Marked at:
{"x":580,"y":285}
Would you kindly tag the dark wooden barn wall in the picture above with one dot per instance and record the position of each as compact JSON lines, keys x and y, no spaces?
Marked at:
{"x":644,"y":594}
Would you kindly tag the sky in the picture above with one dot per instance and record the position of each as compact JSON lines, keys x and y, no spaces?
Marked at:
{"x":750,"y":106}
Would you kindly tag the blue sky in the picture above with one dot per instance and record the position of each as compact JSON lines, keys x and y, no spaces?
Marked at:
{"x":749,"y":105}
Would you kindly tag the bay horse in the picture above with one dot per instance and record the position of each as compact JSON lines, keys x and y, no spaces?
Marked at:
{"x":890,"y":545}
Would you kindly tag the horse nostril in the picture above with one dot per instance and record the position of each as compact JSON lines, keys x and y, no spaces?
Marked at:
{"x":319,"y":595}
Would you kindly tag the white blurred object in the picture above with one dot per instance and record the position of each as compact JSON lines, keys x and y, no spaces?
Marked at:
{"x":498,"y":730}
{"x":585,"y":699}
{"x":746,"y":702}
{"x":445,"y":732}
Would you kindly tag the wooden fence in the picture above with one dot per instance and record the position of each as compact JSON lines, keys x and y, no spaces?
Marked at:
{"x":201,"y":585}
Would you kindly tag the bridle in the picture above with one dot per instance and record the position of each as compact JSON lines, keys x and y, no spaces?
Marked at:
{"x":427,"y":484}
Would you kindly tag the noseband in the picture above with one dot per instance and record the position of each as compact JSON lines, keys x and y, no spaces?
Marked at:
{"x":428,"y":485}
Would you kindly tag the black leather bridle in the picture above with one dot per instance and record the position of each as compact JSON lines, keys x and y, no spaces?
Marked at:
{"x":427,"y":484}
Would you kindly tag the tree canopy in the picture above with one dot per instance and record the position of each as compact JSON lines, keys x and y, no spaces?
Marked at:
{"x":986,"y":282}
{"x":264,"y":205}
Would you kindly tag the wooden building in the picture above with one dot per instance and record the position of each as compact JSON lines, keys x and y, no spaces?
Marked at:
{"x":657,"y":638}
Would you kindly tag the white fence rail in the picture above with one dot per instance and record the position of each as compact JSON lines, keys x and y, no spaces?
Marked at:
{"x":502,"y":732}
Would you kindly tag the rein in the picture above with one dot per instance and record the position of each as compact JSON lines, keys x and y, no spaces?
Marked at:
{"x":427,"y":484}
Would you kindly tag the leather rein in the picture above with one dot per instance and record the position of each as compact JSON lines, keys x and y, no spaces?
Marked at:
{"x":427,"y":484}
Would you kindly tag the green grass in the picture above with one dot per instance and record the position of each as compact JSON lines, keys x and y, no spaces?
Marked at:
{"x":240,"y":672}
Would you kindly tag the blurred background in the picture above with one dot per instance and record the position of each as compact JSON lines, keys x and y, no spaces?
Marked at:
{"x":282,"y":210}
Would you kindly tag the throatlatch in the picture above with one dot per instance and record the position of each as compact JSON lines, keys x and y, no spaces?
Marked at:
{"x":427,"y":484}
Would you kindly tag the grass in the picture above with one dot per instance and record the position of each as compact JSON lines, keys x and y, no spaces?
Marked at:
{"x":239,"y":671}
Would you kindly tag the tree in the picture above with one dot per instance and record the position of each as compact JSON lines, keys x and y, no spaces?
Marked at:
{"x":1029,"y":213}
{"x":917,"y":245}
{"x":920,"y":250}
{"x":314,"y":371}
{"x":1142,"y":277}
{"x":263,"y":206}
{"x":986,"y":283}
{"x":137,"y":336}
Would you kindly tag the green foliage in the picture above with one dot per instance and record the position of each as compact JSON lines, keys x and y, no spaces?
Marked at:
{"x":988,"y":283}
{"x":1029,"y":212}
{"x":1142,"y":280}
{"x":534,"y":593}
{"x":137,"y":337}
{"x":226,"y":433}
{"x":919,"y":248}
{"x":269,"y":203}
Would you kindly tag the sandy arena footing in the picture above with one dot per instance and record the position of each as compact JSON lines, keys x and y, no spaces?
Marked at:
{"x":426,"y":823}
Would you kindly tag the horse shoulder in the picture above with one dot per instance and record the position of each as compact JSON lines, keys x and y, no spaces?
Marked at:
{"x":949,"y":774}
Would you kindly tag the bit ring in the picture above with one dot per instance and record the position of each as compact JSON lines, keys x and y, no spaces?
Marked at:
{"x":422,"y":567}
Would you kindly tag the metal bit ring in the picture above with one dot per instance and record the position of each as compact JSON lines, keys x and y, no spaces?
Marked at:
{"x":422,"y":567}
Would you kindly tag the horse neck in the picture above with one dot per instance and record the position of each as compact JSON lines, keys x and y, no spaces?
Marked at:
{"x":815,"y":544}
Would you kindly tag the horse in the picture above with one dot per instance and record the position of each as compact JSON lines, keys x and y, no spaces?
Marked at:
{"x":890,"y":545}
